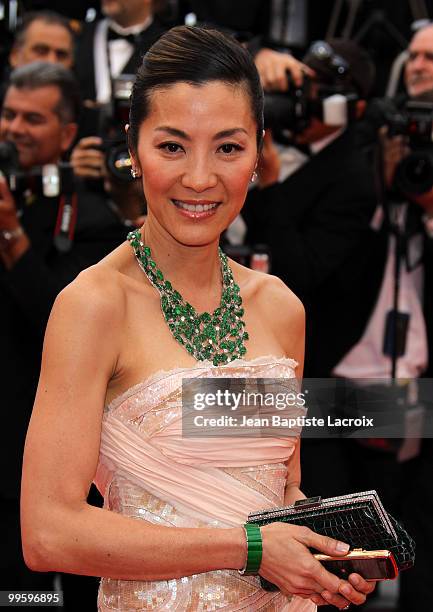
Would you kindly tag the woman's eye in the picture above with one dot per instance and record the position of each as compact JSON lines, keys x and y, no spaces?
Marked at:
{"x":170,"y":147}
{"x":230,"y":148}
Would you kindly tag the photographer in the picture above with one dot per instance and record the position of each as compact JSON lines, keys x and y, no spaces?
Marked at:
{"x":44,"y":243}
{"x":316,"y":221}
{"x":95,"y":162}
{"x":102,"y":163}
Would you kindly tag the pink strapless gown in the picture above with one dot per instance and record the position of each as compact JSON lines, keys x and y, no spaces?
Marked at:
{"x":149,"y":472}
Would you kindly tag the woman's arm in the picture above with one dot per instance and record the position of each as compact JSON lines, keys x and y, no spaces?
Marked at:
{"x":60,"y":530}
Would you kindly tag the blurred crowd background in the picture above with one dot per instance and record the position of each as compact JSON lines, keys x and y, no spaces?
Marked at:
{"x":342,"y":212}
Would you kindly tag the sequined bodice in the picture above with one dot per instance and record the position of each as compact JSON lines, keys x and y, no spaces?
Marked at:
{"x":147,"y":471}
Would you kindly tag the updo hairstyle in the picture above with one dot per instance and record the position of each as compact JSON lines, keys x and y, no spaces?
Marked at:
{"x":195,"y":56}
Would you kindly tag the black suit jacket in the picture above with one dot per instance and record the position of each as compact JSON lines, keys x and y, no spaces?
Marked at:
{"x":27,"y":293}
{"x":317,"y":225}
{"x":251,"y":18}
{"x":85,"y":60}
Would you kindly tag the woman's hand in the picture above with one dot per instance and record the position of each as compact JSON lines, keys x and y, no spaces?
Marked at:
{"x":354,"y":593}
{"x":288,"y":563}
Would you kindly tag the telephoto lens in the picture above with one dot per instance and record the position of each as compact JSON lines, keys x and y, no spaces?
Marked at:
{"x":414,"y":174}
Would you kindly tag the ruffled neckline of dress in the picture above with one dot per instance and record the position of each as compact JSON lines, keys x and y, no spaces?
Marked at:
{"x":162,"y":374}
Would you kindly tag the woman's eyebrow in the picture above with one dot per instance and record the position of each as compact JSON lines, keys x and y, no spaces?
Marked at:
{"x":181,"y":134}
{"x":228,"y":133}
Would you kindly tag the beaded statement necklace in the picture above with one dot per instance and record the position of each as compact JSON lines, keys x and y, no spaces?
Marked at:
{"x":219,"y":336}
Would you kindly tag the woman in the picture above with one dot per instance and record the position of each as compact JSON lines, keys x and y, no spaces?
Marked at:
{"x":170,"y":535}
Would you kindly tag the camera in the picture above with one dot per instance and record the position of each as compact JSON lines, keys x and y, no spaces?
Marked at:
{"x":414,"y":174}
{"x":110,"y":120}
{"x":330,"y":97}
{"x":49,"y":180}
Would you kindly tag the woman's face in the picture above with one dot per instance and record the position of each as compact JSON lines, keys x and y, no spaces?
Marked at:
{"x":196,"y":151}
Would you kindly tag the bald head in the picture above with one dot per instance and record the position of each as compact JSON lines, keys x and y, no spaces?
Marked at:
{"x":419,"y":67}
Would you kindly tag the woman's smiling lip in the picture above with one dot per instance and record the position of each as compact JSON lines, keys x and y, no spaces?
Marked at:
{"x":196,"y":209}
{"x":196,"y":202}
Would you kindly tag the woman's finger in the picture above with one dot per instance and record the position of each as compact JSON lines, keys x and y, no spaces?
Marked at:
{"x":318,"y":600}
{"x":353,"y":595}
{"x":336,"y":600}
{"x":360,"y":584}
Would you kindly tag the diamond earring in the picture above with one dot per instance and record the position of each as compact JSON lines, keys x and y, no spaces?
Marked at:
{"x":135,"y":173}
{"x":254,"y":177}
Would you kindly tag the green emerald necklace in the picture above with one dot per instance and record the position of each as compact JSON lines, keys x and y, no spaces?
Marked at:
{"x":218,"y":337}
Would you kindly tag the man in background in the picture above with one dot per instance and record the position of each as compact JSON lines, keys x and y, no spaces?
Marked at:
{"x":114,"y":45}
{"x":43,"y":36}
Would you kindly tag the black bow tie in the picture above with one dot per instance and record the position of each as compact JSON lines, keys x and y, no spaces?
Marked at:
{"x":113,"y":35}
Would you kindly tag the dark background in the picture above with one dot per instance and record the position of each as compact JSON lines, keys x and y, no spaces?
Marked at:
{"x":383,"y":27}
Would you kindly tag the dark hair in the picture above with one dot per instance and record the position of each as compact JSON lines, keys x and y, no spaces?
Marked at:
{"x":195,"y":56}
{"x":49,"y":17}
{"x":45,"y":74}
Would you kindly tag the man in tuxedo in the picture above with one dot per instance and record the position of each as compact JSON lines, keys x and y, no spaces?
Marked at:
{"x":44,"y":243}
{"x":114,"y":45}
{"x":105,"y":50}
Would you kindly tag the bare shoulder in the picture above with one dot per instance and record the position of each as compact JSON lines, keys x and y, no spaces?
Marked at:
{"x":95,"y":298}
{"x":271,"y":295}
{"x":279,"y":301}
{"x":282,"y":308}
{"x":277,"y":309}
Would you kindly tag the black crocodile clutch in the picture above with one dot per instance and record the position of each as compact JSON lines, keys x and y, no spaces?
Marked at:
{"x":358,"y":519}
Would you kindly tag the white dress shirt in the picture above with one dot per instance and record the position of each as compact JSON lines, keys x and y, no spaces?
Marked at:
{"x":120,"y":51}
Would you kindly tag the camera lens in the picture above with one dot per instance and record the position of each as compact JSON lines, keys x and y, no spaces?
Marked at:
{"x":414,"y":173}
{"x":119,"y":162}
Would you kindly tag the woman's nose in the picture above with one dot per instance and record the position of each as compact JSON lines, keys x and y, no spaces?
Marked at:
{"x":199,"y":176}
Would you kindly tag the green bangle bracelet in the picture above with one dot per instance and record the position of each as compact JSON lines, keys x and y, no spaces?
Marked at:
{"x":254,"y":549}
